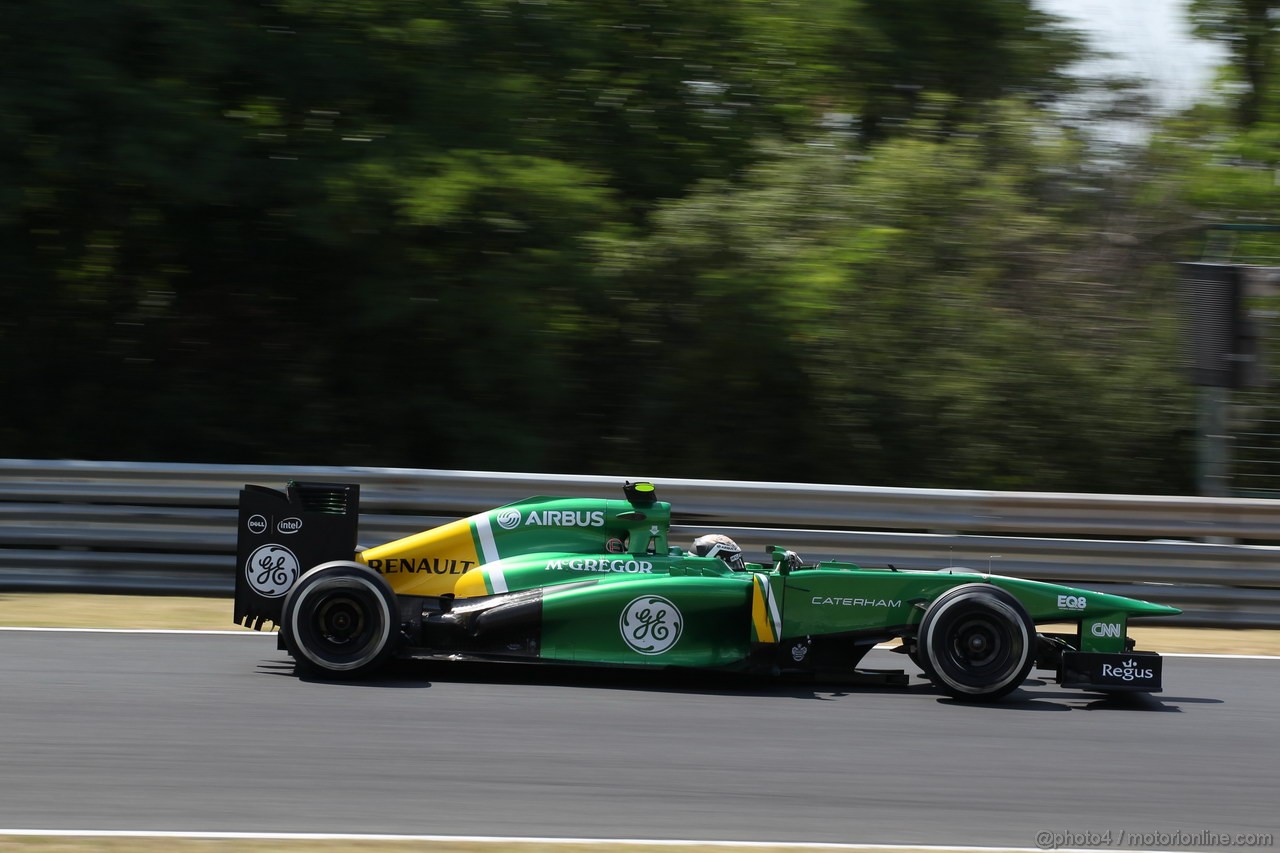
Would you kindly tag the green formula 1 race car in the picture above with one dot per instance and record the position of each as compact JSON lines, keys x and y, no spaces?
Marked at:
{"x":595,"y":582}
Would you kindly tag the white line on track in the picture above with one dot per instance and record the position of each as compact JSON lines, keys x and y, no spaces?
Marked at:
{"x":1207,"y":655}
{"x":1211,"y":655}
{"x":141,"y":631}
{"x":507,"y":840}
{"x":228,"y":633}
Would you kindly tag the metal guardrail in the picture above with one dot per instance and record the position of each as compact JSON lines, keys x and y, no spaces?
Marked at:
{"x":170,"y":528}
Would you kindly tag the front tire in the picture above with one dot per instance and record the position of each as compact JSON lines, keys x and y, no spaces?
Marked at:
{"x":340,"y":620}
{"x":976,"y":642}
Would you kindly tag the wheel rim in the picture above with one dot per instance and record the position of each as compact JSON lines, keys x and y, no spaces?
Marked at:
{"x":340,"y":621}
{"x":977,"y":643}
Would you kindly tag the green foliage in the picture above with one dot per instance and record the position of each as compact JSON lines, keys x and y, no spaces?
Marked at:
{"x":1248,"y":30}
{"x":1226,"y":153}
{"x":893,"y":55}
{"x":830,"y":240}
{"x":906,"y":316}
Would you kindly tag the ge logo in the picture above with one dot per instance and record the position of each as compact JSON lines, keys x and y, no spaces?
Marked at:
{"x":271,"y":570}
{"x":650,"y":624}
{"x":508,"y":518}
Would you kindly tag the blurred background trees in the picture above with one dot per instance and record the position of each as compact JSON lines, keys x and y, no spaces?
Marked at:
{"x":831,"y":240}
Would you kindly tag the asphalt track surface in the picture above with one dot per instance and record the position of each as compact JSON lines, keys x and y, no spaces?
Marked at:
{"x":215,"y":733}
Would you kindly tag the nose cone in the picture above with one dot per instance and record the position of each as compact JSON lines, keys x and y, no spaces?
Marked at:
{"x":1130,"y":606}
{"x":1147,"y":608}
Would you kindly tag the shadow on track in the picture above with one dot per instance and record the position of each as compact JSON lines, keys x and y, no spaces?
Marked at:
{"x":420,"y":674}
{"x":1034,"y":695}
{"x":1093,"y":701}
{"x":390,"y":678}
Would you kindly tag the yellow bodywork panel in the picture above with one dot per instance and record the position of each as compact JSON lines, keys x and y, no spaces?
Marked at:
{"x":427,"y":563}
{"x":766,"y":621}
{"x":471,"y":585}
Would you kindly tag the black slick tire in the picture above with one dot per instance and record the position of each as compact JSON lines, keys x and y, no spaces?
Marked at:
{"x":976,"y":642}
{"x":340,"y":621}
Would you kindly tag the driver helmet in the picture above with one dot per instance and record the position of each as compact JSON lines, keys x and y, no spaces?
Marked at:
{"x":719,"y":545}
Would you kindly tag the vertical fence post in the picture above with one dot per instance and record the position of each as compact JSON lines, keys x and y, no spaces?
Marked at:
{"x":1213,"y":477}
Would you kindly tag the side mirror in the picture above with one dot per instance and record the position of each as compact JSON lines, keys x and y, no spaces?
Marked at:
{"x":780,"y":563}
{"x":784,"y":561}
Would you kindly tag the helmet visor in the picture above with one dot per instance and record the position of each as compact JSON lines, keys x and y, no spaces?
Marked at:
{"x":731,"y":554}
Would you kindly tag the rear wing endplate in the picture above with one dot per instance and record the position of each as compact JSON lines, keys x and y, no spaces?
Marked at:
{"x":280,"y":535}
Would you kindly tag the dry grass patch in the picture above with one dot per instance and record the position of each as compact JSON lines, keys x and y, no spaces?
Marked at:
{"x":71,"y":610}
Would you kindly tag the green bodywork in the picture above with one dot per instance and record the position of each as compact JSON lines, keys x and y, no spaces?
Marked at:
{"x":648,"y":604}
{"x":580,"y":620}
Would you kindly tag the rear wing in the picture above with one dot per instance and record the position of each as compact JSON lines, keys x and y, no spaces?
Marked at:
{"x":280,"y":535}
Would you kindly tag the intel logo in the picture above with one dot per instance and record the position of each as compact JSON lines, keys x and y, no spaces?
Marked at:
{"x":289,"y":525}
{"x":257,"y":524}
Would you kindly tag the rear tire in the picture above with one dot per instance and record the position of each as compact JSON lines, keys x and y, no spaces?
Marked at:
{"x":976,"y":642}
{"x":341,"y":621}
